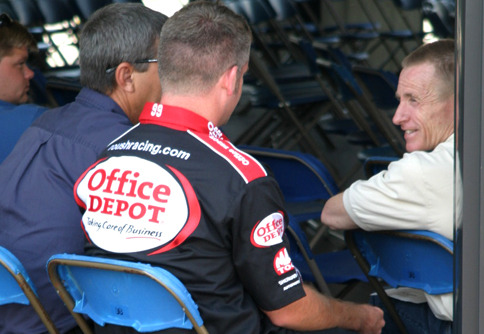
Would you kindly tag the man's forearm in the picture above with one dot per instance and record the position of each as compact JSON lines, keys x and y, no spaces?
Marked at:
{"x":317,"y":312}
{"x":335,"y":215}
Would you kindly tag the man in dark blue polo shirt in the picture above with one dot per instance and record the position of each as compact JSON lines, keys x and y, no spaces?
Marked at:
{"x":39,"y":216}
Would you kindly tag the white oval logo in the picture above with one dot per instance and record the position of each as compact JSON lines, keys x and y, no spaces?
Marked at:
{"x":129,"y":210}
{"x":268,"y":231}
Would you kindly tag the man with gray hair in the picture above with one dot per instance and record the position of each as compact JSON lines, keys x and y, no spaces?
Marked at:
{"x":39,"y":216}
{"x":416,"y":192}
{"x":200,"y":208}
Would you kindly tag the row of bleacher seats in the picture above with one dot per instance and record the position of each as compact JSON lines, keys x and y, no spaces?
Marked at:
{"x":312,"y":79}
{"x":301,"y":78}
{"x":150,"y":298}
{"x":108,"y":291}
{"x":33,"y":13}
{"x":44,"y":18}
{"x":310,"y":76}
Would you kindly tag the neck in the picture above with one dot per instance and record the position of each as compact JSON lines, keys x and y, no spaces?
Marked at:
{"x":124,"y":103}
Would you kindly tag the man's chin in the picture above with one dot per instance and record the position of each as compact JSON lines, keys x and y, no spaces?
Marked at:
{"x":412,"y":147}
{"x":24,"y":99}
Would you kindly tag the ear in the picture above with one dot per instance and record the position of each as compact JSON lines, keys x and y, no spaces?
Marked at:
{"x":124,"y":76}
{"x":230,"y":79}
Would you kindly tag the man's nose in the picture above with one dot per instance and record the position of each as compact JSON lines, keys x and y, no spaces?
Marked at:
{"x":28,"y":73}
{"x":399,"y":115}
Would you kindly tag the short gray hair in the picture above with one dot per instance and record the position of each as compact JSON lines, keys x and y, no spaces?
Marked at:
{"x":116,"y":33}
{"x":441,"y":54}
{"x":198,"y":44}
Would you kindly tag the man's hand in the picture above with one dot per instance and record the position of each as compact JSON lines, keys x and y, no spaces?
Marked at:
{"x":371,"y":319}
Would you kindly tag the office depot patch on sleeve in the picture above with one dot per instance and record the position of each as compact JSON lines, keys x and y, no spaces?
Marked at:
{"x":268,"y":231}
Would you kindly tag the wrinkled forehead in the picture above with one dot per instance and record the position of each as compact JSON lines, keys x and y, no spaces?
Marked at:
{"x":423,"y":80}
{"x":416,"y":78}
{"x":428,"y":77}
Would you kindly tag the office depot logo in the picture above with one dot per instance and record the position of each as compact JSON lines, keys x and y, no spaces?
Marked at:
{"x":134,"y":205}
{"x":282,"y":262}
{"x":142,"y":199}
{"x":268,"y":231}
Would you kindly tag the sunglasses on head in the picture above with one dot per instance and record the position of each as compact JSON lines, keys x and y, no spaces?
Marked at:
{"x":5,"y":20}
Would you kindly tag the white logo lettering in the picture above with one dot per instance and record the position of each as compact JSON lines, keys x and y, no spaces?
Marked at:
{"x":156,"y":110}
{"x":214,"y":132}
{"x":268,"y":231}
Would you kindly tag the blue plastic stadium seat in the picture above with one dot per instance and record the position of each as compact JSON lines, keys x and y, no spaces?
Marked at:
{"x":123,"y":293}
{"x":16,"y":287}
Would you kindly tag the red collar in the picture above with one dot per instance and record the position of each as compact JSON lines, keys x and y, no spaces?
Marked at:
{"x":178,"y":119}
{"x":203,"y":130}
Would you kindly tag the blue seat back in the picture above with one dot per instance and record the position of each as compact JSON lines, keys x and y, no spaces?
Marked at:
{"x":335,"y":267}
{"x":300,"y":176}
{"x":55,"y":11}
{"x":415,"y":259}
{"x":28,"y":12}
{"x":306,"y":184}
{"x":124,"y":293}
{"x":375,"y":164}
{"x":284,"y":9}
{"x":381,"y":84}
{"x":257,"y":11}
{"x":88,"y":7}
{"x":6,"y":7}
{"x":10,"y":290}
{"x":17,"y":287}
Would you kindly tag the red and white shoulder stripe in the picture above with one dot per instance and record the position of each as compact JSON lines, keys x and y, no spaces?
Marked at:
{"x":247,"y":167}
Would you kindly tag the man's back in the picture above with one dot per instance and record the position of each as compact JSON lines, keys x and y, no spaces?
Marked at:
{"x":39,"y":216}
{"x":187,"y":200}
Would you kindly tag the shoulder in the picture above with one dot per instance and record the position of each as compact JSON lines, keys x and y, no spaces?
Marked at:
{"x":441,"y":158}
{"x":29,"y":111}
{"x":73,"y":128}
{"x":416,"y":170}
{"x":240,"y":162}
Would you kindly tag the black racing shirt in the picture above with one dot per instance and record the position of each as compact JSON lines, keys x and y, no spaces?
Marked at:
{"x":174,"y":192}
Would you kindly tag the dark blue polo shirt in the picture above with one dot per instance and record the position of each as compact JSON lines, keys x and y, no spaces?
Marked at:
{"x":39,"y":216}
{"x":14,"y":120}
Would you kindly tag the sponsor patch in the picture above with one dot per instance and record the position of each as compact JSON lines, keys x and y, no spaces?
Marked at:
{"x":282,"y":262}
{"x":133,"y":205}
{"x":268,"y":231}
{"x":290,"y":281}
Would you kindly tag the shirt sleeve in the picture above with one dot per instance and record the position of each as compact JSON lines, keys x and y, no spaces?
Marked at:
{"x":403,"y":197}
{"x":261,"y":248}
